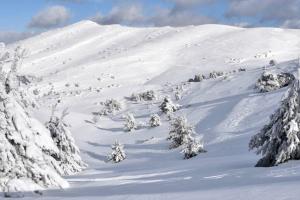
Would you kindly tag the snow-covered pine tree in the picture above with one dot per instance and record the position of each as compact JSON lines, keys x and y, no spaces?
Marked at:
{"x":178,"y":95}
{"x":118,"y":153}
{"x":154,"y":120}
{"x":68,"y":156}
{"x":12,"y":82}
{"x":130,"y":123}
{"x":167,"y":106}
{"x":279,"y":140}
{"x":181,"y":132}
{"x":24,"y":146}
{"x":193,"y":148}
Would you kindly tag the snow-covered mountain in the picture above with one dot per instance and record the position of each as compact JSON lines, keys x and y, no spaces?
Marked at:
{"x":84,"y":64}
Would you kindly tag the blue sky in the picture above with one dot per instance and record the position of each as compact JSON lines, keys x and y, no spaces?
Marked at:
{"x":22,"y":18}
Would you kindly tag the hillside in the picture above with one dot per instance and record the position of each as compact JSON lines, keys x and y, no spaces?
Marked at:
{"x":84,"y":64}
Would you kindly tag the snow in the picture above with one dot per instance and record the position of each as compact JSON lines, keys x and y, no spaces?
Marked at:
{"x":115,"y":61}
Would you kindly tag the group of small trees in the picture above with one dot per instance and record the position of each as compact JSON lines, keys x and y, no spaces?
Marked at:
{"x":181,"y":134}
{"x":270,"y":81}
{"x":131,"y":124}
{"x":201,"y":77}
{"x":167,"y":107}
{"x":144,"y":96}
{"x":110,"y":106}
{"x":213,"y":75}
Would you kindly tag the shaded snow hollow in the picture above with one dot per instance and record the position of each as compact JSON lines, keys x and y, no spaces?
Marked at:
{"x":87,"y":63}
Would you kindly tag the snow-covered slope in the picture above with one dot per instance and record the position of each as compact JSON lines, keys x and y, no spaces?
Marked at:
{"x":85,"y":63}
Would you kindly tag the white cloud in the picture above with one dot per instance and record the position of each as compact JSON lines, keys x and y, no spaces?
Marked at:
{"x":50,"y":17}
{"x":123,"y":14}
{"x":187,"y":3}
{"x":276,"y":11}
{"x":179,"y":18}
{"x":181,"y":14}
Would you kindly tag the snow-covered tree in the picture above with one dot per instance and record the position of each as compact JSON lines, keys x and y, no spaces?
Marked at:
{"x":167,"y":106}
{"x":118,"y":153}
{"x":130,"y":123}
{"x":279,"y":140}
{"x":193,"y":148}
{"x":24,"y":160}
{"x":178,"y":95}
{"x":25,"y":144}
{"x":111,"y":106}
{"x":154,"y":120}
{"x":270,"y":81}
{"x":181,"y":132}
{"x":13,"y":80}
{"x":68,"y":155}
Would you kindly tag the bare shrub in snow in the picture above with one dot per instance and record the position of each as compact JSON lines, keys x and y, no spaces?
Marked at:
{"x":167,"y":106}
{"x":193,"y":148}
{"x":130,"y":123}
{"x":270,"y":82}
{"x":36,"y":92}
{"x":272,"y":63}
{"x":279,"y":140}
{"x":111,"y":106}
{"x":118,"y":154}
{"x":144,"y":96}
{"x":96,"y":118}
{"x":180,"y":132}
{"x":68,"y":155}
{"x":154,"y":120}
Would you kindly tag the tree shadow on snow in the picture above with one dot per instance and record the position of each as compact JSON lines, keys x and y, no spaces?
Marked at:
{"x":95,"y":156}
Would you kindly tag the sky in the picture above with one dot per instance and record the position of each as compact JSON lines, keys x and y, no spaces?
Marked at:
{"x":20,"y":19}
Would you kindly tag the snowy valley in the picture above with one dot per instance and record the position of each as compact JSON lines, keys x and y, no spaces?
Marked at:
{"x":83,"y":65}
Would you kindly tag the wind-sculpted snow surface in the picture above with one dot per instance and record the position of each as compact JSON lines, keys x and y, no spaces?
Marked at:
{"x":84,"y":64}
